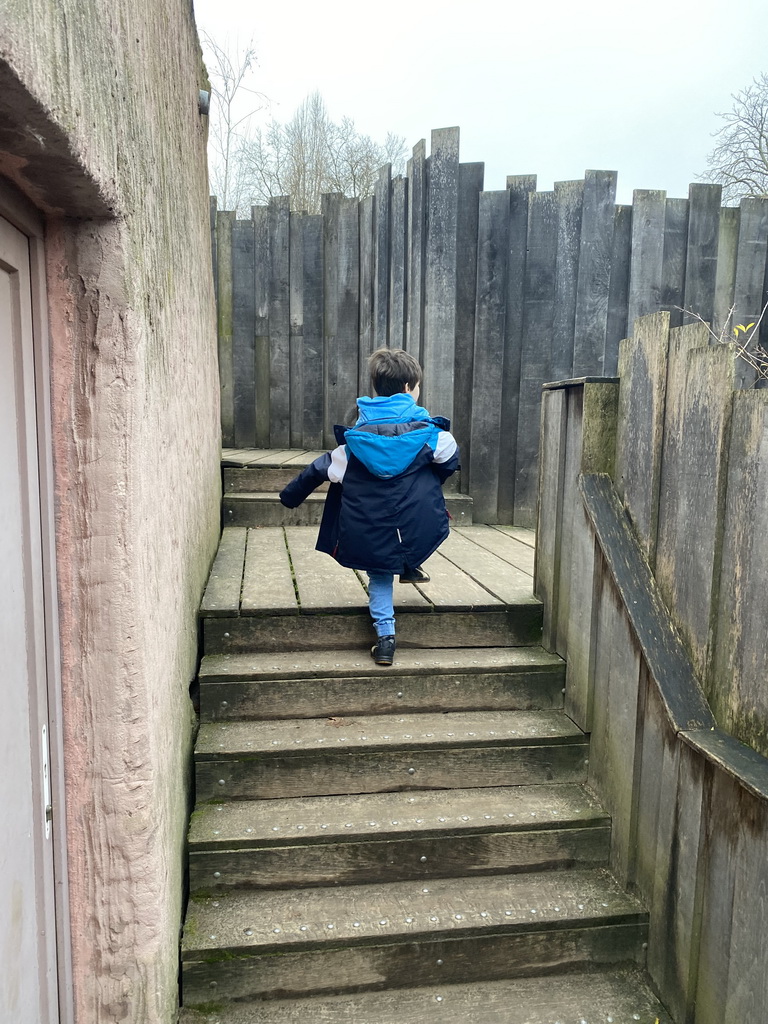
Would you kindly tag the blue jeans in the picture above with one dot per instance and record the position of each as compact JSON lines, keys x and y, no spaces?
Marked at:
{"x":380,"y":602}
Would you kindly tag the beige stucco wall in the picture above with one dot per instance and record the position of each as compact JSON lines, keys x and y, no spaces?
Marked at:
{"x":99,"y":121}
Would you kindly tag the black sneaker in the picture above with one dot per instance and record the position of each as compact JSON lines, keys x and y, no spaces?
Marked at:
{"x":383,"y":651}
{"x":416,"y":575}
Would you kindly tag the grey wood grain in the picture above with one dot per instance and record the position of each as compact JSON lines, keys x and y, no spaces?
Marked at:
{"x":366,"y":333}
{"x":702,"y":250}
{"x":279,"y":321}
{"x":267,"y":582}
{"x":569,"y":198}
{"x":222,"y":592}
{"x":646,"y":269}
{"x":485,"y":425}
{"x":341,"y":247}
{"x":243,"y":333}
{"x":749,"y":285}
{"x":595,"y":266}
{"x":261,"y":217}
{"x":398,"y":268}
{"x":382,"y":239}
{"x":674,"y":260}
{"x":618,"y":288}
{"x":224,"y":222}
{"x":417,"y":237}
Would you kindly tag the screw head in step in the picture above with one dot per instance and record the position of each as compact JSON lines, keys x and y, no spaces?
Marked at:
{"x":439,"y":963}
{"x":411,"y":771}
{"x":423,"y":860}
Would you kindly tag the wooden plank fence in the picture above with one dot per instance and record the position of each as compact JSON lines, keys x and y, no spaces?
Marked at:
{"x":651,"y":564}
{"x":496,"y":293}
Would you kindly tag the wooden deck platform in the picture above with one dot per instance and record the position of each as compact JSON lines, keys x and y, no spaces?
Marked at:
{"x":478,"y":576}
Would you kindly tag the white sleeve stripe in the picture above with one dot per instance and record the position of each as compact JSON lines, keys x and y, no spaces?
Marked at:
{"x":446,"y":446}
{"x":338,"y":466}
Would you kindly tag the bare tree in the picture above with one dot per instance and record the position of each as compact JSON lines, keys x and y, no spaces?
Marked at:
{"x":311,"y":155}
{"x":232,"y":108}
{"x":739,"y":161}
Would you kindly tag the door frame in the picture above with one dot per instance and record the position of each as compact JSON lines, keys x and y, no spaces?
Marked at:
{"x":18,"y":211}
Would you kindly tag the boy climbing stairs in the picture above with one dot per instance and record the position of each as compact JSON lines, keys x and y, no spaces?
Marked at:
{"x":402,"y":844}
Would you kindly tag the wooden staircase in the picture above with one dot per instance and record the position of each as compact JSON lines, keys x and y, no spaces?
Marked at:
{"x":377,"y":845}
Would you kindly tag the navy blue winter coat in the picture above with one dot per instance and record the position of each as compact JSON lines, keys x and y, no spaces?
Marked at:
{"x":389,"y":512}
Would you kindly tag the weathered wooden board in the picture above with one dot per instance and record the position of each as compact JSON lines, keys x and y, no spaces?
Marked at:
{"x":498,"y":956}
{"x":440,"y":272}
{"x":509,"y":627}
{"x":646,"y":269}
{"x":366,"y":693}
{"x":673,"y":271}
{"x":296,"y":322}
{"x":260,"y":217}
{"x":311,"y":362}
{"x":451,"y":589}
{"x":341,"y":306}
{"x":596,"y":257}
{"x":382,"y":242}
{"x":621,"y":995}
{"x":554,"y":411}
{"x":719,"y":860}
{"x":661,"y":646}
{"x":747,"y":979}
{"x":521,"y":533}
{"x":417,"y":237}
{"x":256,"y":824}
{"x":485,"y":404}
{"x":618,"y":289}
{"x":692,"y":489}
{"x":676,"y":893}
{"x":224,"y":222}
{"x":222,"y":593}
{"x":702,"y":250}
{"x":323,"y":585}
{"x":279,"y":322}
{"x":737,"y":690}
{"x":502,"y":579}
{"x":643,"y":372}
{"x":519,"y":188}
{"x":398,"y":271}
{"x":749,"y":286}
{"x":725,"y":280}
{"x":535,"y":364}
{"x":366,"y":334}
{"x":327,"y":772}
{"x":569,"y":200}
{"x":505,"y":543}
{"x":406,"y":912}
{"x":212,"y":207}
{"x":423,"y":857}
{"x":267,"y":581}
{"x":654,"y":736}
{"x":243,"y":333}
{"x":612,"y":759}
{"x":470,"y":187}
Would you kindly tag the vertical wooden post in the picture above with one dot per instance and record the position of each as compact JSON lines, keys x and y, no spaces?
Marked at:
{"x":595,"y":256}
{"x":535,"y":365}
{"x":618,"y":289}
{"x":519,"y":189}
{"x":312,"y":362}
{"x":224,"y":223}
{"x":417,"y":238}
{"x":750,"y":273}
{"x":725,"y":281}
{"x":296,"y":322}
{"x":213,"y":205}
{"x":382,"y":207}
{"x":470,"y":186}
{"x":701,"y":264}
{"x":673,"y":273}
{"x":279,"y":326}
{"x":342,"y":309}
{"x":365,"y":334}
{"x":646,"y":269}
{"x":260,"y":217}
{"x":243,"y":334}
{"x":440,"y":281}
{"x":492,"y":246}
{"x":398,"y":293}
{"x":569,"y":200}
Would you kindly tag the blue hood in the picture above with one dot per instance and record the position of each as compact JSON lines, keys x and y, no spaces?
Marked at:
{"x":399,"y":408}
{"x":390,"y":453}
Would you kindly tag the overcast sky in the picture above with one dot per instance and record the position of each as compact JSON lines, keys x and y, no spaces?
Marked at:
{"x":536,"y":88}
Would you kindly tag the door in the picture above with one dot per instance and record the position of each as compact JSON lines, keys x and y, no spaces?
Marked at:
{"x":28,"y":977}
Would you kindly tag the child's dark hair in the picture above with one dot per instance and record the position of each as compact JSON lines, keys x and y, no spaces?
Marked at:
{"x":391,"y":369}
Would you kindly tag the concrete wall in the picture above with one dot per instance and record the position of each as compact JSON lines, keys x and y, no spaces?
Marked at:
{"x":100,"y":128}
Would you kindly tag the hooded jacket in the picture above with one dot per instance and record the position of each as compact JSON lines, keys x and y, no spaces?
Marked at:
{"x":389,"y":512}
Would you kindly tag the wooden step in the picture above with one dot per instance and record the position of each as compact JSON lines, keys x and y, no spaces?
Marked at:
{"x":303,"y":942}
{"x":344,"y":840}
{"x":620,"y":995}
{"x":380,"y":753}
{"x":263,"y":477}
{"x":291,"y":685}
{"x":263,"y":508}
